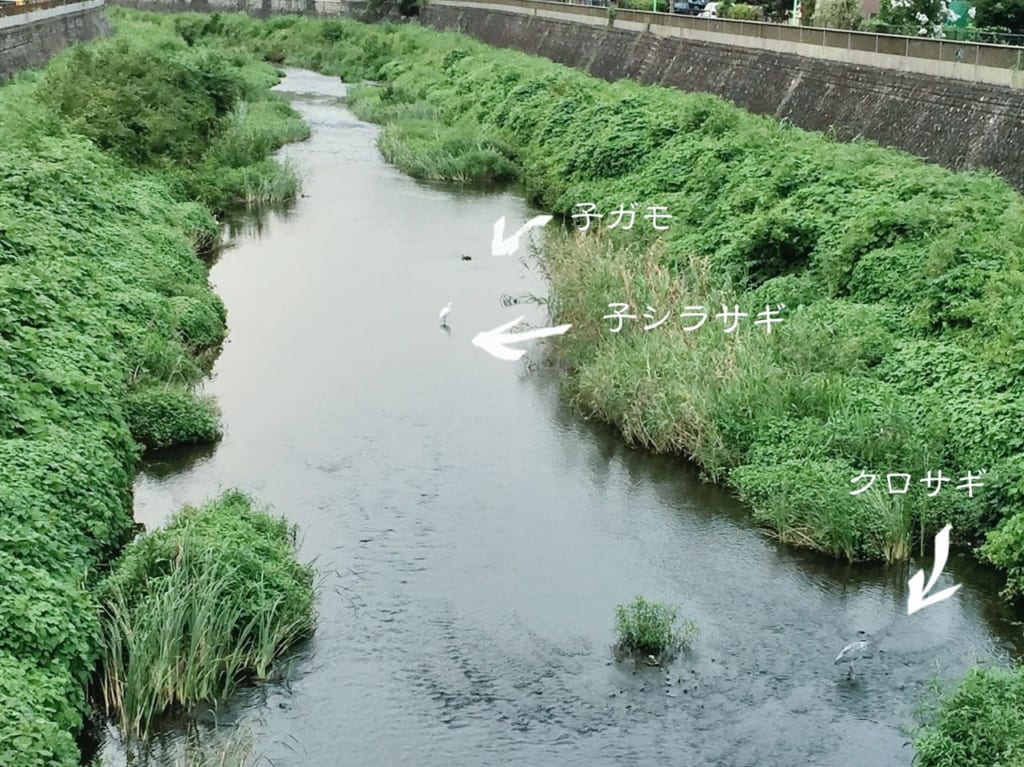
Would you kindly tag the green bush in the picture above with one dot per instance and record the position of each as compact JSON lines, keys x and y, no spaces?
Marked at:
{"x":194,"y":608}
{"x":30,"y":739}
{"x":46,"y":689}
{"x":1004,"y":548}
{"x":149,"y":105}
{"x":980,"y":723}
{"x":652,"y":628}
{"x":742,"y":12}
{"x":48,"y":618}
{"x":203,"y":117}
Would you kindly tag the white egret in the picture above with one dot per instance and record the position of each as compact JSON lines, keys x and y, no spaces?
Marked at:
{"x":443,"y":316}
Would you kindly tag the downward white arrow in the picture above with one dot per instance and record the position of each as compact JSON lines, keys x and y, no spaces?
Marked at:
{"x":917,"y":600}
{"x":493,"y":341}
{"x":502,"y":247}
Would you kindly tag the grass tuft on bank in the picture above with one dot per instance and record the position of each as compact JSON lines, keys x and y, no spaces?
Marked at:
{"x":195,"y":608}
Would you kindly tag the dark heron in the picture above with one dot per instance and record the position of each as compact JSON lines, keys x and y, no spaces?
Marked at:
{"x":861,"y":648}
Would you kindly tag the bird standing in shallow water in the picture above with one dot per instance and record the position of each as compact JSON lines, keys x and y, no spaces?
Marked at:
{"x":443,"y":316}
{"x":855,"y":651}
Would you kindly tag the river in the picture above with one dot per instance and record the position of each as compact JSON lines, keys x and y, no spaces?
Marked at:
{"x":475,"y":536}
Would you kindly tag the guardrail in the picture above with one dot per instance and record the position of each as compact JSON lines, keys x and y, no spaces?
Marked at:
{"x":13,"y":9}
{"x":954,"y":34}
{"x":978,"y":62}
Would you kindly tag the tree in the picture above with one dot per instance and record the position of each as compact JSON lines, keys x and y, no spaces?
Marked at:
{"x":1000,"y":13}
{"x":922,"y":17}
{"x":838,"y":14}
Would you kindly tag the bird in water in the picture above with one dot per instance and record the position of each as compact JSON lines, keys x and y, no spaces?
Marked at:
{"x":443,"y":316}
{"x":861,"y":648}
{"x":466,"y":258}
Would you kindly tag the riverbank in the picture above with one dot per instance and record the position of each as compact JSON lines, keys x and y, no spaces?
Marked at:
{"x":863,"y":362}
{"x":114,"y":159}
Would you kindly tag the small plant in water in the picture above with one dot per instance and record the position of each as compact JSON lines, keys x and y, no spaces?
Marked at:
{"x":652,"y":628}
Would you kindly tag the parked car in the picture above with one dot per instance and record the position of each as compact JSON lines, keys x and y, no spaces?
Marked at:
{"x":710,"y":11}
{"x":688,"y":7}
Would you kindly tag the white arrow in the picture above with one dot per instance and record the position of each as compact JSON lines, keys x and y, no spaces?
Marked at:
{"x":493,"y":341}
{"x":917,"y":600}
{"x":506,"y":247}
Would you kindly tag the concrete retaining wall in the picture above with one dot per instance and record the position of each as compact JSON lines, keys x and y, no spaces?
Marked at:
{"x":950,"y":122}
{"x":960,"y":60}
{"x":31,"y":39}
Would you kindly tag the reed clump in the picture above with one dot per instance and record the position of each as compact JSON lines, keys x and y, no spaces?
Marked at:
{"x":199,"y":606}
{"x":651,"y":628}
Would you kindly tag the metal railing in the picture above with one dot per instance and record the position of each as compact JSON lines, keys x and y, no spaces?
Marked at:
{"x":13,"y":8}
{"x":993,"y":35}
{"x":946,"y":54}
{"x":954,"y":34}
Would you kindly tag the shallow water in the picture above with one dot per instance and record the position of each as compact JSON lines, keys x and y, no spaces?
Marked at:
{"x":476,"y":536}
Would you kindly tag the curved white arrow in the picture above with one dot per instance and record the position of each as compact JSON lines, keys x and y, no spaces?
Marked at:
{"x":494,"y":341}
{"x":506,"y":247}
{"x":917,"y":599}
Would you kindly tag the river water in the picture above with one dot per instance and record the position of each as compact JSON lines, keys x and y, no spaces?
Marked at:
{"x":475,"y":536}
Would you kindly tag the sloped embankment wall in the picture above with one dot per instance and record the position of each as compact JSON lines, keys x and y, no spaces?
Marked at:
{"x":31,"y":39}
{"x":953,"y":123}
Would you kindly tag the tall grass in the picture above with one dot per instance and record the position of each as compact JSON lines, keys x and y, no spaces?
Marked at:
{"x":735,"y":403}
{"x":237,"y":750}
{"x":425,"y":150}
{"x":196,"y":608}
{"x":206,"y":745}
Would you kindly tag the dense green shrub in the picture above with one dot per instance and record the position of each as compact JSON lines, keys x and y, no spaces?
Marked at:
{"x":741,"y":11}
{"x":149,"y":106}
{"x":29,"y":738}
{"x":193,"y":608}
{"x":1004,"y":548}
{"x":980,"y":723}
{"x":203,"y":117}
